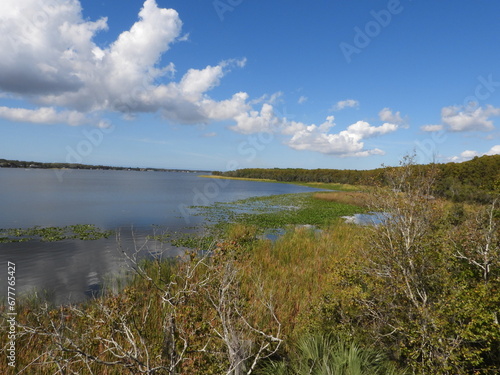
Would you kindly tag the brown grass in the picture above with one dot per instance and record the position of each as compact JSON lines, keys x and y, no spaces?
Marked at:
{"x":295,"y":270}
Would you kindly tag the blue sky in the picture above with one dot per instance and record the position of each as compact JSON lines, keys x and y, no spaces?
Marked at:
{"x":225,"y":84}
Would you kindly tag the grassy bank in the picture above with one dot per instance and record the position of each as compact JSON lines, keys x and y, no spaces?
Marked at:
{"x":412,"y":293}
{"x":88,"y":338}
{"x":317,"y":185}
{"x":134,"y":330}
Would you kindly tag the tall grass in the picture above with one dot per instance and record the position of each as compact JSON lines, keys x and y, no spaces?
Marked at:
{"x":295,"y":270}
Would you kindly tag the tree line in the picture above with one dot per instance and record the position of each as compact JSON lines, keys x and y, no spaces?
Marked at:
{"x":470,"y":181}
{"x":4,"y":163}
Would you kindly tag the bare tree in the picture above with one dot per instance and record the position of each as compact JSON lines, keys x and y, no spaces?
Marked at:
{"x":480,"y":245}
{"x":149,"y":333}
{"x":245,"y":344}
{"x":404,"y":264}
{"x":404,"y":217}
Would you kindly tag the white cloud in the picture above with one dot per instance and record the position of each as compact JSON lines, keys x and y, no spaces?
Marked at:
{"x":275,"y":98}
{"x":44,"y":115}
{"x":196,"y":82}
{"x":387,"y":115}
{"x":225,"y":109}
{"x":365,"y":130}
{"x":463,"y":119}
{"x":431,"y":128}
{"x":302,"y":99}
{"x":54,"y":63}
{"x":270,"y":99}
{"x":318,"y":138}
{"x":470,"y":154}
{"x":348,"y":103}
{"x":457,"y":119}
{"x":256,"y":122}
{"x":495,"y":150}
{"x":346,"y":143}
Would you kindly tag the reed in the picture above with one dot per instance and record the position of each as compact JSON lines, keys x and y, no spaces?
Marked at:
{"x":296,"y":268}
{"x":356,"y":198}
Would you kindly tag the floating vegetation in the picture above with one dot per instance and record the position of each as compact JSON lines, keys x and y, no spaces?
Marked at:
{"x":269,"y":215}
{"x":85,"y":232}
{"x":278,"y":211}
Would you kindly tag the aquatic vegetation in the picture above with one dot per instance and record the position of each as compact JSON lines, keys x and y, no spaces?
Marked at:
{"x":278,"y":211}
{"x":84,"y":232}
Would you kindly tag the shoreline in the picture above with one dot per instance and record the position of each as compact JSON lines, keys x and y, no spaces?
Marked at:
{"x":242,"y":178}
{"x":316,"y":185}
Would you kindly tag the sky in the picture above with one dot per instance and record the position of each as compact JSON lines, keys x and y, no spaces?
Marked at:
{"x":227,"y":84}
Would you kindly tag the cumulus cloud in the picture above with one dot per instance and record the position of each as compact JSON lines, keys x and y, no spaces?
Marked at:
{"x":431,"y":128}
{"x":45,"y":115}
{"x":387,"y":115}
{"x":470,"y":154}
{"x":346,"y":143}
{"x":318,"y":138}
{"x":302,"y":99}
{"x":458,"y":119}
{"x":495,"y":150}
{"x":348,"y":103}
{"x":464,"y":119}
{"x":257,"y":122}
{"x":41,"y":45}
{"x":50,"y":59}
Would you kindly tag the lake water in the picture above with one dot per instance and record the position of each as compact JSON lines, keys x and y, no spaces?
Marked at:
{"x":129,"y":202}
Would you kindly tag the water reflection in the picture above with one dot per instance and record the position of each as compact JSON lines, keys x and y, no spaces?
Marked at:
{"x":72,"y":270}
{"x":372,"y":218}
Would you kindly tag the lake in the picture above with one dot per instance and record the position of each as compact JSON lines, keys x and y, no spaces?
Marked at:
{"x":129,"y":202}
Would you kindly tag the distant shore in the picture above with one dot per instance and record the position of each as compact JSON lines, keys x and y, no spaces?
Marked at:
{"x":239,"y":178}
{"x":4,"y":163}
{"x":317,"y":185}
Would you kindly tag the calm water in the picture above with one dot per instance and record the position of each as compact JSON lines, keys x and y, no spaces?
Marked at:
{"x":127,"y":201}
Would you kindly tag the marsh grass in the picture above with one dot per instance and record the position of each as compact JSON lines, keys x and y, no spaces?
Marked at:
{"x":53,"y":339}
{"x":332,"y":186}
{"x":293,"y":272}
{"x":279,"y":211}
{"x":296,"y":269}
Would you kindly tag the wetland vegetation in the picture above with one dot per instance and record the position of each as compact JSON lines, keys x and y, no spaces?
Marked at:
{"x":51,"y":234}
{"x":415,"y":294}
